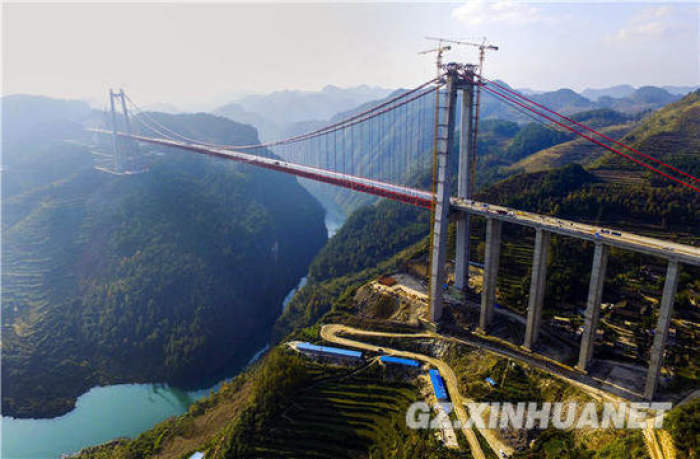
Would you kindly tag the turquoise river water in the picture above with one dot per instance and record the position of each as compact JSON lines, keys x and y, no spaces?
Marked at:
{"x":107,"y":412}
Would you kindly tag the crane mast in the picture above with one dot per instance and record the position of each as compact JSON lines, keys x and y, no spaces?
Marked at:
{"x":483,"y":47}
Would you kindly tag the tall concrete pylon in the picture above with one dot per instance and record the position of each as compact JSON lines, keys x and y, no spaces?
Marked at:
{"x":464,"y":185}
{"x":444,"y":134}
{"x":122,"y":96}
{"x":115,"y":141}
{"x":116,"y":144}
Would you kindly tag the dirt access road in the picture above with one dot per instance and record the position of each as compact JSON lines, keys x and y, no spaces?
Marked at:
{"x":330,"y":333}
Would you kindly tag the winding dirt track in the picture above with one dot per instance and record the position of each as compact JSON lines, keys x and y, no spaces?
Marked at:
{"x":658,"y":447}
{"x":330,"y":333}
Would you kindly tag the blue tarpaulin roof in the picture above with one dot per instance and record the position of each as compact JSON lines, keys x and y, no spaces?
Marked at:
{"x":392,"y":359}
{"x":490,"y":380}
{"x":197,"y":455}
{"x":329,"y":350}
{"x":438,"y":385}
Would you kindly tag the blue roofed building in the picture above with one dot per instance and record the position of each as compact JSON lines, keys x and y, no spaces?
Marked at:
{"x":398,"y":360}
{"x":328,"y":351}
{"x":438,"y":385}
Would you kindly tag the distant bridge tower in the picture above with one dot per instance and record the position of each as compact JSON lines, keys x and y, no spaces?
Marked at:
{"x":118,"y":145}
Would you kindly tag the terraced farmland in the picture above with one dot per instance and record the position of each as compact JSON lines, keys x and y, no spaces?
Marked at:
{"x":578,"y":150}
{"x":353,"y":416}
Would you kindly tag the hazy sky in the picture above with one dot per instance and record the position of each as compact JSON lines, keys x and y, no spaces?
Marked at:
{"x":196,"y":55}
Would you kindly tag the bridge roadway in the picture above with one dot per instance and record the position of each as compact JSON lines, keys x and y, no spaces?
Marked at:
{"x":400,"y":193}
{"x":657,"y":247}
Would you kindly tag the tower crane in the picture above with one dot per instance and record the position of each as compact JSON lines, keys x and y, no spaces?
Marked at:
{"x":439,"y":50}
{"x":483,"y":47}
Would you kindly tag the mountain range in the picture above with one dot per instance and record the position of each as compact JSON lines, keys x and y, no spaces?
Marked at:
{"x":273,"y":113}
{"x":285,"y":113}
{"x":171,"y":275}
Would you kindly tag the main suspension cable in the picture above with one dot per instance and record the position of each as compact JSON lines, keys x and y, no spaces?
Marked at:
{"x":521,"y":96}
{"x":652,"y":168}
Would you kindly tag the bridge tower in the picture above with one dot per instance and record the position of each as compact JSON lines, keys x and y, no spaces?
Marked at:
{"x":458,"y":77}
{"x":441,"y":205}
{"x":116,"y":144}
{"x":465,"y":187}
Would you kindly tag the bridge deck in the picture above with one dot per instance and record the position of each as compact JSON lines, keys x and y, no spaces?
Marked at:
{"x":625,"y":240}
{"x":657,"y":247}
{"x":403,"y":194}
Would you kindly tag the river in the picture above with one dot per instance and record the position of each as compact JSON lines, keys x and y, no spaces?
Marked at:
{"x":107,"y":412}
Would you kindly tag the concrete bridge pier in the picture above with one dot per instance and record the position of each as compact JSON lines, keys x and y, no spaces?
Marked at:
{"x":595,"y":295}
{"x":491,"y":260}
{"x":661,"y":333}
{"x":537,"y":288}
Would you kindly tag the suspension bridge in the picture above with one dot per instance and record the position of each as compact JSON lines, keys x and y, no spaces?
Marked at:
{"x":402,"y":149}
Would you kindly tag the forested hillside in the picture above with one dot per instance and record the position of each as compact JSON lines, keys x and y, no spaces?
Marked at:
{"x":508,"y":141}
{"x":671,"y":134}
{"x":277,"y":407}
{"x":170,"y":275}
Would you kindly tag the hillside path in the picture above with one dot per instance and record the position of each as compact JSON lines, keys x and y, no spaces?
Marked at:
{"x":330,"y":333}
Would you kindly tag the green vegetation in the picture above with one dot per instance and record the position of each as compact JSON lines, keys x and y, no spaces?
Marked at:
{"x":625,"y":444}
{"x":552,"y":444}
{"x":600,"y":118}
{"x":369,"y":235}
{"x":531,"y":138}
{"x":671,"y":134}
{"x":579,"y":150}
{"x":683,"y":423}
{"x":515,"y":382}
{"x":332,"y":299}
{"x":173,"y":275}
{"x":335,"y":417}
{"x":289,"y":406}
{"x":294,"y":408}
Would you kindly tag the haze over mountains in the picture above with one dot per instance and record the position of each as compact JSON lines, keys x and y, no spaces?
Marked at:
{"x":625,"y":90}
{"x":273,"y":113}
{"x":170,"y":275}
{"x":285,"y":113}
